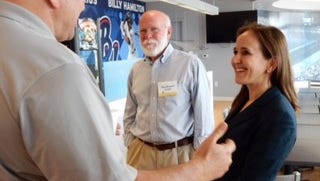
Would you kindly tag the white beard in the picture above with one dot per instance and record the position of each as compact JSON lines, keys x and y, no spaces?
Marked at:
{"x":153,"y":47}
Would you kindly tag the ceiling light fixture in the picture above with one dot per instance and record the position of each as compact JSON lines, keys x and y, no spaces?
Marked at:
{"x":298,"y":4}
{"x":194,"y":5}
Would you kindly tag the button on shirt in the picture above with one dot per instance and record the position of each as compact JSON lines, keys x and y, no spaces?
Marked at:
{"x":169,"y":99}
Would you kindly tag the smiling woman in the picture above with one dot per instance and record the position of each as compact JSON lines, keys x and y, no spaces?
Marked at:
{"x":262,"y":67}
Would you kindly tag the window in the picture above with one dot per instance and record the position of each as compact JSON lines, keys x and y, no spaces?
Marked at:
{"x":302,"y":30}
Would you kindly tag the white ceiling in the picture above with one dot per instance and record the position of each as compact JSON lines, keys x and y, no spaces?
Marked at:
{"x":238,"y":5}
{"x":235,"y":5}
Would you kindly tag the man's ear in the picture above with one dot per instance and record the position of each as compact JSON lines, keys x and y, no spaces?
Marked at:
{"x":54,"y":3}
{"x":169,"y":32}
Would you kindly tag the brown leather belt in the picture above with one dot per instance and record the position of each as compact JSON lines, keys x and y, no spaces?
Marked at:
{"x":161,"y":147}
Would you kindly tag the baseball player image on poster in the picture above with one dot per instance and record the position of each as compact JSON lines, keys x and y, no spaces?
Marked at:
{"x":88,"y":43}
{"x":88,"y":33}
{"x":128,"y":34}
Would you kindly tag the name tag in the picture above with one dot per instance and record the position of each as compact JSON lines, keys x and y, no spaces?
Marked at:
{"x":167,"y":89}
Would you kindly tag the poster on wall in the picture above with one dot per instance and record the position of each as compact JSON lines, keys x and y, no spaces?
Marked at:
{"x":108,"y":42}
{"x":118,"y":21}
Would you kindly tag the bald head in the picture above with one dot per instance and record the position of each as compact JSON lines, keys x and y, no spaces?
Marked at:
{"x":59,"y":15}
{"x":157,"y":16}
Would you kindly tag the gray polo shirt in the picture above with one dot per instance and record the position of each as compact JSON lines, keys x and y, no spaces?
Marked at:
{"x":54,"y":121}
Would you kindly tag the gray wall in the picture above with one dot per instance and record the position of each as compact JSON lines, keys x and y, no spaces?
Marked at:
{"x":218,"y":59}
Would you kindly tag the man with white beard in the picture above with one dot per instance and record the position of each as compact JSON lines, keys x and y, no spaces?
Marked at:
{"x":54,"y":121}
{"x":167,"y":113}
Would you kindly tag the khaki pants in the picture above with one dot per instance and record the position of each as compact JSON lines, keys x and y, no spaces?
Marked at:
{"x":142,"y":156}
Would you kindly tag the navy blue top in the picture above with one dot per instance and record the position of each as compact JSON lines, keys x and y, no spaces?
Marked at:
{"x":264,"y":133}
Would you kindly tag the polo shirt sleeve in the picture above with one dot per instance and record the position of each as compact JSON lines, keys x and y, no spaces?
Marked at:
{"x":67,"y":128}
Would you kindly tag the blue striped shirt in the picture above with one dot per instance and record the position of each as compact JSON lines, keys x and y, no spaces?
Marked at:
{"x":169,"y":99}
